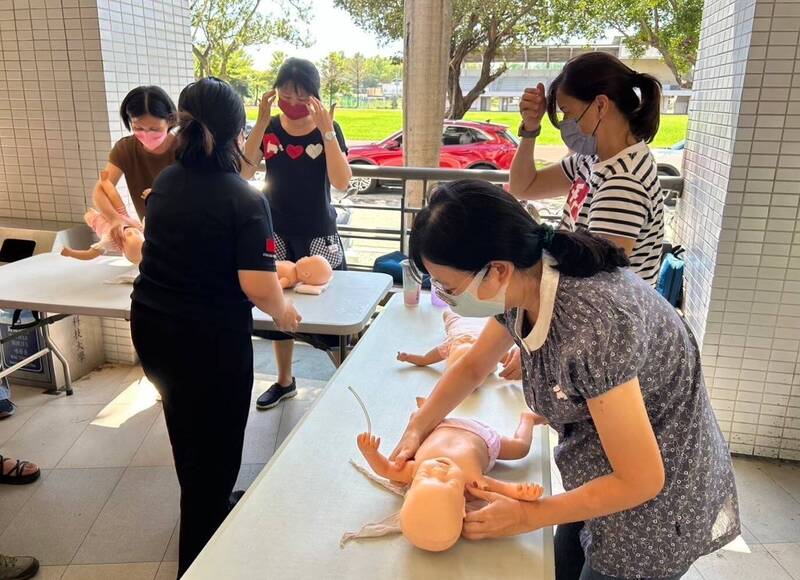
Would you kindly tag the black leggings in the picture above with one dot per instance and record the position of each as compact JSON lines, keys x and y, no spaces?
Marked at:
{"x":571,"y":561}
{"x":205,"y":377}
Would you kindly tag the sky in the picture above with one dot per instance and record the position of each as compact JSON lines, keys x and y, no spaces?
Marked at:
{"x":331,"y":30}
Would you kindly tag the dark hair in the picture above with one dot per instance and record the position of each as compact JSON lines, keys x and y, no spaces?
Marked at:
{"x":150,"y":100}
{"x":300,"y":73}
{"x":211,"y":119}
{"x":598,"y":73}
{"x":469,"y":223}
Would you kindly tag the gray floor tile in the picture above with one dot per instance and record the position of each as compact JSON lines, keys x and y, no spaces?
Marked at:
{"x":693,"y":574}
{"x":732,"y":565}
{"x":156,"y":449}
{"x":296,"y":408}
{"x":10,"y":425}
{"x":102,"y":386}
{"x":247,"y":474}
{"x":788,"y":556}
{"x":104,"y":444}
{"x":137,"y":521}
{"x":261,"y":434}
{"x":786,"y":474}
{"x":50,"y":572}
{"x":47,"y":436}
{"x":31,"y":396}
{"x":171,"y":555}
{"x":167,"y":571}
{"x":14,"y":497}
{"x":55,"y":520}
{"x":142,"y":571}
{"x":307,"y":362}
{"x":767,"y":509}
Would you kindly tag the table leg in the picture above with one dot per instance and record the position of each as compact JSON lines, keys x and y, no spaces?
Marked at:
{"x":342,"y":348}
{"x":54,"y":349}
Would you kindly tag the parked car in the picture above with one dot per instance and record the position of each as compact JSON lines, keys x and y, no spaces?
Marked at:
{"x":465,"y":145}
{"x":670,"y":159}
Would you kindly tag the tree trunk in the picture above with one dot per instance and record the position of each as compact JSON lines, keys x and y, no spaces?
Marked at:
{"x":670,"y":62}
{"x":428,"y":29}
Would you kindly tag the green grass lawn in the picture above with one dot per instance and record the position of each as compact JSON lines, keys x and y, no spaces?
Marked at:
{"x":377,"y":124}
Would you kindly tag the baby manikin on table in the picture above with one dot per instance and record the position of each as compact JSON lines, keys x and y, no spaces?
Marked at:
{"x":457,"y":452}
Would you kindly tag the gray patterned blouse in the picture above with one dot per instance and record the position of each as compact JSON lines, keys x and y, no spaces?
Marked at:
{"x":596,"y":333}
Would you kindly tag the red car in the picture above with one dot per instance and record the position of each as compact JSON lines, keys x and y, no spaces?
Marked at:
{"x":465,"y":145}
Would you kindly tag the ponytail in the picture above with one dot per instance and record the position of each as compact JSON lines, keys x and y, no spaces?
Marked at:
{"x":211,"y":119}
{"x":469,"y":223}
{"x":645,"y":118}
{"x":581,"y":254}
{"x":195,"y":141}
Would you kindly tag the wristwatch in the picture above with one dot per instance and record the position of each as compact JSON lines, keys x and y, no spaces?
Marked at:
{"x":329,"y":136}
{"x":525,"y":134}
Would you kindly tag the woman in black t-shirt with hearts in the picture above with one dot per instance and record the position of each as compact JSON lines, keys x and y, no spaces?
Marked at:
{"x":304,"y":152}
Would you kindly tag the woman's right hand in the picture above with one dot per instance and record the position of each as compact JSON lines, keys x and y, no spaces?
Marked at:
{"x":289,"y":320}
{"x":532,"y":107}
{"x":265,"y":107}
{"x":408,"y":445}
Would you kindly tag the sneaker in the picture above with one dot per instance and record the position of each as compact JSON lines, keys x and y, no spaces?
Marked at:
{"x":7,"y":408}
{"x":18,"y":567}
{"x":275,"y":394}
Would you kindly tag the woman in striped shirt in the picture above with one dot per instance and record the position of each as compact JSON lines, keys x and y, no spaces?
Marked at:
{"x":607,"y":113}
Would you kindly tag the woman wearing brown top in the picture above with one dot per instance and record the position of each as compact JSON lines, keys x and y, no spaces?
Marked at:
{"x":150,"y":114}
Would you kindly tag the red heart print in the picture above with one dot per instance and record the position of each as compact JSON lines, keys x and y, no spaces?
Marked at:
{"x":295,"y":151}
{"x":271,"y":246}
{"x":270,"y":145}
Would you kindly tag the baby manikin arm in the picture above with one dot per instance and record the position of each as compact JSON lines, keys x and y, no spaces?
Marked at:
{"x":368,"y":445}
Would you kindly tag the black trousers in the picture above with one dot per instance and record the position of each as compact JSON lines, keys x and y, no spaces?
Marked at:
{"x":205,"y":377}
{"x":571,"y":561}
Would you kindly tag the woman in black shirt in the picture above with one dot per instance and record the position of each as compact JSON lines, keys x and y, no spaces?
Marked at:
{"x":208,"y":256}
{"x":305,"y":153}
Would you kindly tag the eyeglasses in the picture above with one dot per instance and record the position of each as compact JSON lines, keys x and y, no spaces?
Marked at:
{"x":449,"y":297}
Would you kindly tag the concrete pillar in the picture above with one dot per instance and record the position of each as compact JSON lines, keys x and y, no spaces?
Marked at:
{"x":65,"y":66}
{"x":428,"y":27}
{"x":739,"y":220}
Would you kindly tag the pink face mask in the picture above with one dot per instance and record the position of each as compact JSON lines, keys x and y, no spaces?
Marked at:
{"x":294,"y":112}
{"x":151,"y":140}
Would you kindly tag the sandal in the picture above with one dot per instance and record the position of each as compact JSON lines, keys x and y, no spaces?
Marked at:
{"x":14,"y":476}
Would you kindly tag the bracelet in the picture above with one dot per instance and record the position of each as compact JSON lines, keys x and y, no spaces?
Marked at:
{"x":525,"y":134}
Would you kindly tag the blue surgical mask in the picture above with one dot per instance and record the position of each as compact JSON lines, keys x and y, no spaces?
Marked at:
{"x":467,"y":302}
{"x":575,"y":139}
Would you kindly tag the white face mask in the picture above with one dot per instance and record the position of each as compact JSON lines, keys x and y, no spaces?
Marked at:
{"x":467,"y":302}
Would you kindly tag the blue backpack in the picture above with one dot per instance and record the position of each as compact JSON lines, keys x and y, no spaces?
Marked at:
{"x":390,"y":264}
{"x":670,"y":279}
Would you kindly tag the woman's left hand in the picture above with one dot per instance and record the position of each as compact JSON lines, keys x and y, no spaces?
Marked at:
{"x":323,"y":118}
{"x":502,"y":517}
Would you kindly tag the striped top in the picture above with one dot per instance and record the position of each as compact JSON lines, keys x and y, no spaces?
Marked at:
{"x":620,"y":196}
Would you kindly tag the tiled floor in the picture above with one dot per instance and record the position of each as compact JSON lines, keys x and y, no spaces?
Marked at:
{"x":107,"y":504}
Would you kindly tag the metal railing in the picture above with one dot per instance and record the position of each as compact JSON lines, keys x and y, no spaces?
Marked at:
{"x":428,"y":176}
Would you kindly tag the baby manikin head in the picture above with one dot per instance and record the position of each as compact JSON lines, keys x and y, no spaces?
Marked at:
{"x":433,"y":512}
{"x":133,"y":239}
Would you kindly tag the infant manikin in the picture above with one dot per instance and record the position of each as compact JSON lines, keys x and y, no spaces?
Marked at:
{"x":457,"y":452}
{"x":310,"y":275}
{"x":461,"y":335}
{"x":132,"y":231}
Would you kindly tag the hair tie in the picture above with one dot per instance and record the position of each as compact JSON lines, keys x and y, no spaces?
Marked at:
{"x":546,"y":236}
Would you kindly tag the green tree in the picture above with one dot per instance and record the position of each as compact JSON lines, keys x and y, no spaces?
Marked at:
{"x":239,"y":70}
{"x":333,"y":74}
{"x":672,"y":27}
{"x":484,"y":28}
{"x":222,"y":29}
{"x":380,"y":69}
{"x":356,"y":66}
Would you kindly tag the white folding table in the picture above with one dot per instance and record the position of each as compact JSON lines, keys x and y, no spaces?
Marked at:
{"x":63,"y":286}
{"x":289,"y":523}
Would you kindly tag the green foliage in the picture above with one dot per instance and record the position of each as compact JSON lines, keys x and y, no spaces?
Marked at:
{"x":670,"y":26}
{"x":223,"y":29}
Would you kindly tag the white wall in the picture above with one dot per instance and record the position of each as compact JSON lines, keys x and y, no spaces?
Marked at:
{"x":739,"y":219}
